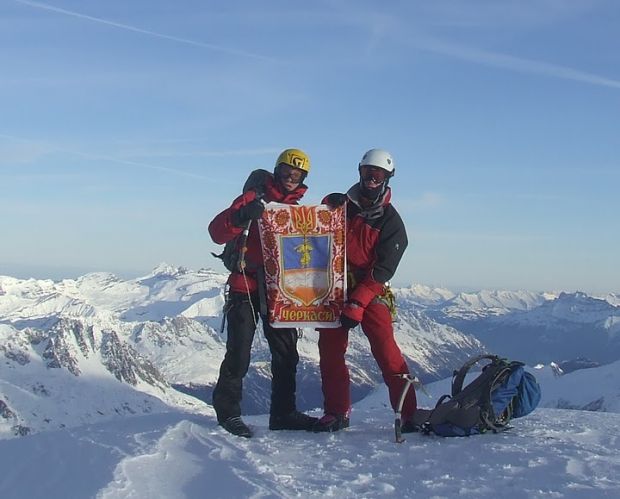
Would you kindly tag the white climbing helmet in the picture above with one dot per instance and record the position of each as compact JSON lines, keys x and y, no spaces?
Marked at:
{"x":379,"y":158}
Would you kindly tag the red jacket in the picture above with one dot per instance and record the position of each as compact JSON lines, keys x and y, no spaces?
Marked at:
{"x":376,"y":241}
{"x":223,"y":230}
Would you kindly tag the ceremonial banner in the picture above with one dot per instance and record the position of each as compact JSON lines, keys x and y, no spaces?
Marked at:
{"x":304,"y":256}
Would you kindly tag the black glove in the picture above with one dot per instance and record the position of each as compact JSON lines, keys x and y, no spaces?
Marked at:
{"x":336,"y":199}
{"x":346,"y":321}
{"x":251,"y":211}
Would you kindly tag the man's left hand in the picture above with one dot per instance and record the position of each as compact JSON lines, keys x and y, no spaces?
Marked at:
{"x":347,"y":322}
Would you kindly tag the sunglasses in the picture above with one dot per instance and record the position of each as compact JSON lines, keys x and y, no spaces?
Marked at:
{"x":373,"y":173}
{"x":286,"y":172}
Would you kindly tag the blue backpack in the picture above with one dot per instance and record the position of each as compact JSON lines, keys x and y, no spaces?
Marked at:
{"x":502,"y":391}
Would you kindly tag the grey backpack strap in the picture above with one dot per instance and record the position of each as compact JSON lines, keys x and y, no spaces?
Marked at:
{"x":262,"y":292}
{"x":459,"y":376}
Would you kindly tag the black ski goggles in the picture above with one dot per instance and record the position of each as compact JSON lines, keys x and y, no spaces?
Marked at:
{"x":287,"y":172}
{"x":374,"y":173}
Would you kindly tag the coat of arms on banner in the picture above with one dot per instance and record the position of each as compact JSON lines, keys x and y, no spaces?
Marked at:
{"x":304,"y":255}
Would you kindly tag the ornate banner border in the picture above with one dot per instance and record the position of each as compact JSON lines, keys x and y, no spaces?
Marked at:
{"x":305,"y":264}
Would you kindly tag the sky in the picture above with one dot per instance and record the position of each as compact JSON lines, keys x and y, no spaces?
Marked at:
{"x":127,"y":126}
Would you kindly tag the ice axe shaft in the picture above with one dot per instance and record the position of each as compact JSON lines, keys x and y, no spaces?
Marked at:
{"x":409,"y":380}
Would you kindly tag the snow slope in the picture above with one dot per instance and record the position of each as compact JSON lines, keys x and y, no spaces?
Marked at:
{"x":595,"y":389}
{"x":75,"y":375}
{"x":550,"y":453}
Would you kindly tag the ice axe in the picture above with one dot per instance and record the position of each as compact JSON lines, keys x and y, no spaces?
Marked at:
{"x":409,"y":380}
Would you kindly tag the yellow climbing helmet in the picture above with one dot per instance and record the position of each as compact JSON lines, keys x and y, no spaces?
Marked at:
{"x":295,"y":158}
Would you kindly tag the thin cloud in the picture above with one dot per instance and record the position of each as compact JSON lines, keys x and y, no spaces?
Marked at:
{"x":151,"y":153}
{"x":403,"y":33}
{"x":97,"y":157}
{"x":511,"y":63}
{"x":138,"y":164}
{"x":135,"y":29}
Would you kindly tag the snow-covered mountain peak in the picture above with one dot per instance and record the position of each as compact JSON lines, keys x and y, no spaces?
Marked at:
{"x":578,"y":307}
{"x":425,"y":295}
{"x":613,"y":298}
{"x":166,"y":270}
{"x":499,"y":300}
{"x":99,"y":280}
{"x":486,"y":303}
{"x":165,"y":293}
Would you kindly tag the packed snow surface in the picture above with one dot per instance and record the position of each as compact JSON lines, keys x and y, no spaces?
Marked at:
{"x":550,"y":453}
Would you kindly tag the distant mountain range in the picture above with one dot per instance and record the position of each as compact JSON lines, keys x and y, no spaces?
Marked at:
{"x":535,"y":327}
{"x":99,"y":347}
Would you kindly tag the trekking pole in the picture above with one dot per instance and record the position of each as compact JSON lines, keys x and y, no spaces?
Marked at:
{"x":241,"y":267}
{"x":241,"y":264}
{"x":409,"y":380}
{"x":243,"y":245}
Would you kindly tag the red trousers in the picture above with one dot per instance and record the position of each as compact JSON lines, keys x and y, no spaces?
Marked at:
{"x":377,"y":326}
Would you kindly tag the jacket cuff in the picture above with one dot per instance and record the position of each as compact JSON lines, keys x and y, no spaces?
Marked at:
{"x":235,"y":220}
{"x":353,"y":310}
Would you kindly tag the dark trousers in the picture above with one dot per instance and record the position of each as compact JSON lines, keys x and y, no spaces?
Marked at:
{"x":284,"y":359}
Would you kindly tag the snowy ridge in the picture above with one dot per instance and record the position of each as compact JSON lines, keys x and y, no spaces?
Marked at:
{"x":492,"y":303}
{"x":176,"y":290}
{"x":170,"y":318}
{"x":576,"y":308}
{"x":487,"y":303}
{"x":425,"y":295}
{"x":612,"y":298}
{"x":511,"y":323}
{"x":570,"y":326}
{"x":165,"y":292}
{"x":162,"y":330}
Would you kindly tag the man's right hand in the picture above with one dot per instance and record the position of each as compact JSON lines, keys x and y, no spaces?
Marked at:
{"x":336,"y":200}
{"x":251,"y":211}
